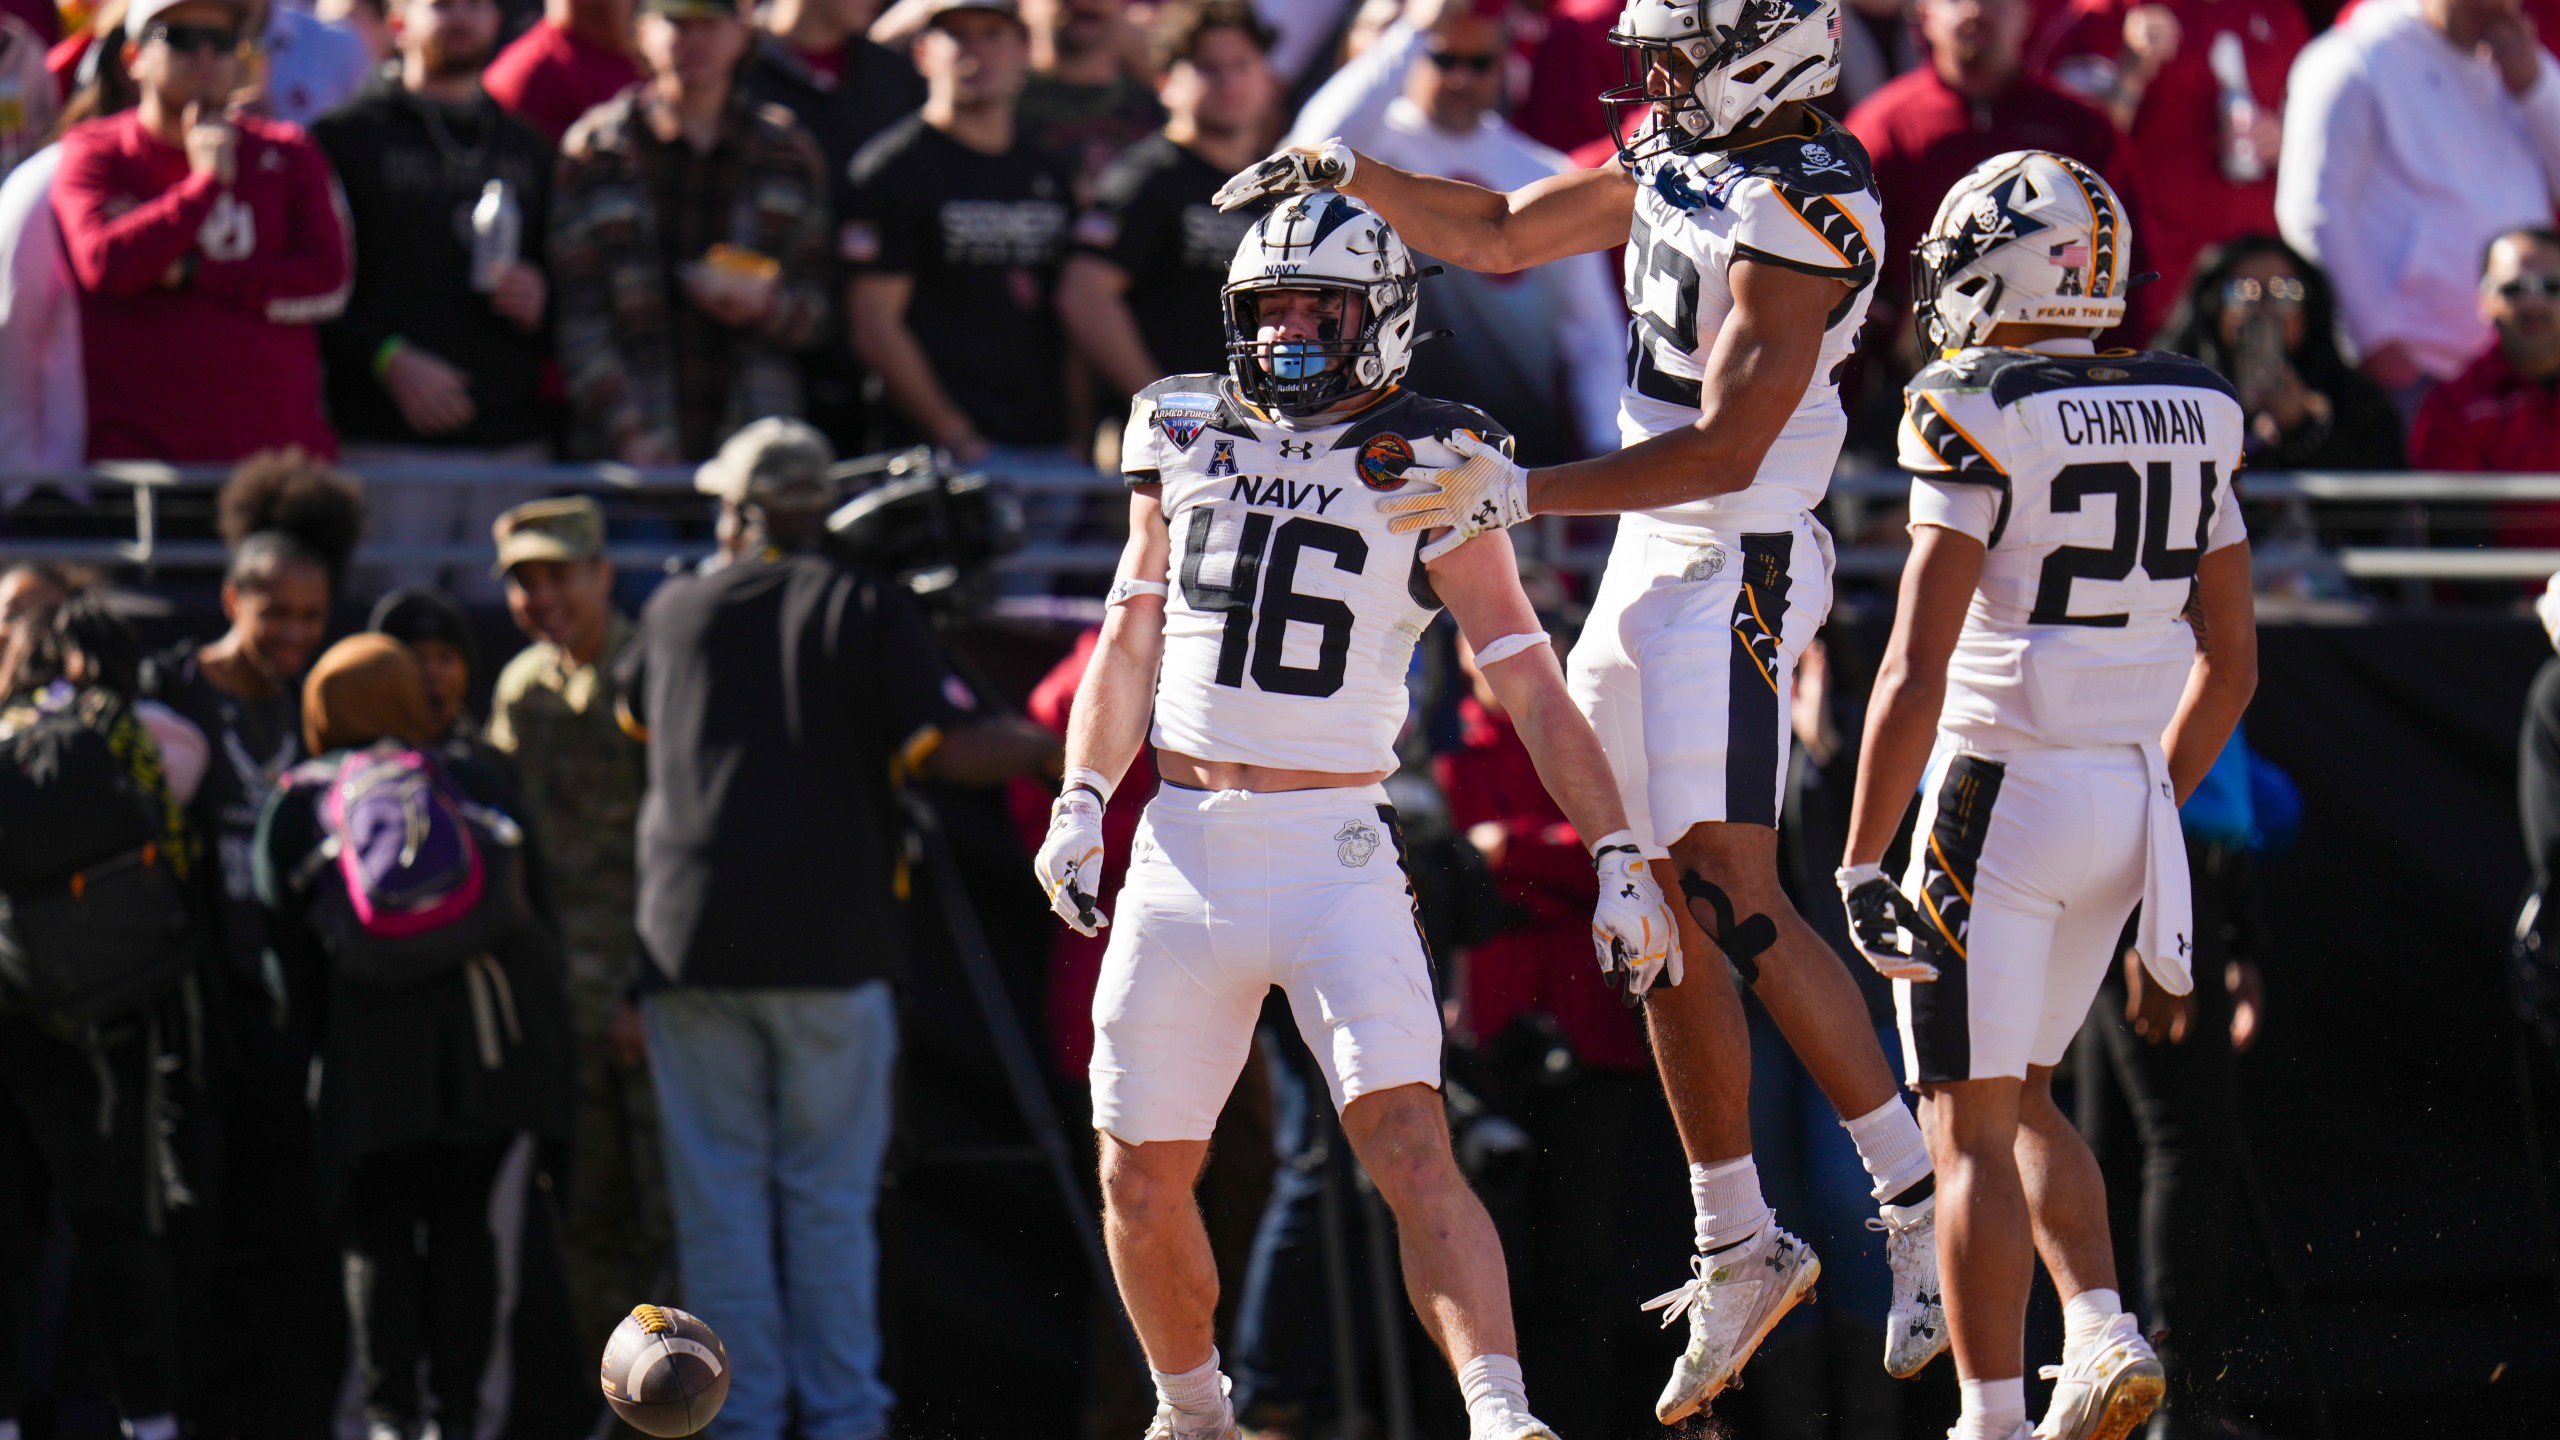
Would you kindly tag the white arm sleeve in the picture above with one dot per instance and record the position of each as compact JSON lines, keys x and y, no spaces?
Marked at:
{"x":1967,"y":509}
{"x":1353,"y":104}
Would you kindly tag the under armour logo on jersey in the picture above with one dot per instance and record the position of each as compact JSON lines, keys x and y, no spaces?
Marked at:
{"x":1297,"y":449}
{"x":1354,"y":843}
{"x":2183,"y":946}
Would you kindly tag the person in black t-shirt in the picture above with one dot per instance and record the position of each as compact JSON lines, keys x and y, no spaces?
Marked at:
{"x":1080,"y":105}
{"x":1140,"y":293}
{"x":953,"y":236}
{"x":812,"y":59}
{"x":782,"y":696}
{"x":424,"y":363}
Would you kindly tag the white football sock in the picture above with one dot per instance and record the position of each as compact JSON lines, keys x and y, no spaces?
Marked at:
{"x":1729,"y":1207}
{"x":1993,"y":1409}
{"x":150,"y":1427}
{"x":2087,"y":1313}
{"x":1493,"y":1388}
{"x":1193,"y":1394}
{"x":1891,"y":1147}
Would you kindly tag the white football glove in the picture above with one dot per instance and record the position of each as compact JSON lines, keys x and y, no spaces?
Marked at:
{"x":1070,"y":861}
{"x":1293,"y":171}
{"x":1485,"y":490}
{"x":1631,"y":928}
{"x":1886,"y":927}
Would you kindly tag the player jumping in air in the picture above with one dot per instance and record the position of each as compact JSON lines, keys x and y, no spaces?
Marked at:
{"x":1752,"y":226}
{"x":2073,"y":646}
{"x":1265,"y":613}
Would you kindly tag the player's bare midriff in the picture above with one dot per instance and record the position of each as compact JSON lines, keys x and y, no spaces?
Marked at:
{"x":1199,"y":774}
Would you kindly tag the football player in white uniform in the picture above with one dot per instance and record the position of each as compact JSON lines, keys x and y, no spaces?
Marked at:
{"x":1266,"y":614}
{"x":1752,"y":227}
{"x":2073,"y":646}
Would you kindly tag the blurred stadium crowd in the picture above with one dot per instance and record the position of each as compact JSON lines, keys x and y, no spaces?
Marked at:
{"x":260,"y":1201}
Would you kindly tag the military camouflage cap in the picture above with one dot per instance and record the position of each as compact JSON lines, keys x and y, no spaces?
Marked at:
{"x":570,"y":529}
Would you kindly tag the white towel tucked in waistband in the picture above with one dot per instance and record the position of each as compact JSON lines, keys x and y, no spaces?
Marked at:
{"x":2166,"y":936}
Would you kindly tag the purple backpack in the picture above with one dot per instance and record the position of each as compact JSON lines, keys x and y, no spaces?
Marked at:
{"x":425,"y":879}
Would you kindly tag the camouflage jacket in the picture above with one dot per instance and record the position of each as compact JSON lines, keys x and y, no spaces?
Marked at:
{"x":582,"y":777}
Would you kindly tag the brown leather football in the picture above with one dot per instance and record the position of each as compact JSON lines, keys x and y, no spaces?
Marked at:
{"x":665,"y":1372}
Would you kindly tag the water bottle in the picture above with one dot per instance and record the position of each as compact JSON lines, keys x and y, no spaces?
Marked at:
{"x":2240,"y":162}
{"x":497,"y":234}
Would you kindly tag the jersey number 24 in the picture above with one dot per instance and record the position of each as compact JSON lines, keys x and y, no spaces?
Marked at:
{"x":2142,"y":533}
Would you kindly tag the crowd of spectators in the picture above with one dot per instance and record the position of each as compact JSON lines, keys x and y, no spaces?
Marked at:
{"x":463,"y":231}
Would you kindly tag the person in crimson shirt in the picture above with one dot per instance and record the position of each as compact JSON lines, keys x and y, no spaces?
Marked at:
{"x":1973,"y":99}
{"x":957,"y":228}
{"x":2503,"y":411}
{"x":576,"y":59}
{"x":1140,"y":295}
{"x":2173,"y":75}
{"x":207,"y":252}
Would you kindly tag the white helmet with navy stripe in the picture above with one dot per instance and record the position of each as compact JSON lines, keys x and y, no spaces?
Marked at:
{"x":1743,"y":59}
{"x":1322,"y":240}
{"x":2029,"y":238}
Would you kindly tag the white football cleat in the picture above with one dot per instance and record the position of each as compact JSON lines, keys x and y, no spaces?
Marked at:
{"x":1732,"y":1305}
{"x":2106,"y":1389}
{"x":1513,"y":1425}
{"x":1915,"y":1324}
{"x":1224,"y":1429}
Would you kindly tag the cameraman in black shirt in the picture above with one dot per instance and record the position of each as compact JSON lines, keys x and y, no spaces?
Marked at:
{"x":953,"y":235}
{"x":783,"y":697}
{"x":1140,"y":292}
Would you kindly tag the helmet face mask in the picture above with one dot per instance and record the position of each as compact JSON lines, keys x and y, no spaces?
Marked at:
{"x":1729,"y":65}
{"x":1327,"y":245}
{"x":2027,"y":238}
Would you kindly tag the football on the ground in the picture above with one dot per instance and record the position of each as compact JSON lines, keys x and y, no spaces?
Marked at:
{"x":665,"y":1372}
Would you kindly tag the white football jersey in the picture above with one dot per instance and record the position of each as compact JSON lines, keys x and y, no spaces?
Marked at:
{"x":2096,"y":482}
{"x":1294,"y":610}
{"x":1808,"y":205}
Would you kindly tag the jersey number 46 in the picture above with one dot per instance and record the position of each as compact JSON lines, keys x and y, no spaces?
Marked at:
{"x":1258,"y":623}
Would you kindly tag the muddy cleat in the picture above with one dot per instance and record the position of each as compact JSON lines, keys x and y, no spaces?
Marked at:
{"x":1915,"y":1325}
{"x":2105,"y":1389}
{"x":1732,"y":1303}
{"x":1223,"y":1429}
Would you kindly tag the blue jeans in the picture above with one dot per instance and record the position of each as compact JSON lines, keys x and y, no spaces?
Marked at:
{"x":774,"y":1111}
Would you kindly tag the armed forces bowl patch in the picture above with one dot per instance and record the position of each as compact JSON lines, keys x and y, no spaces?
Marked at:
{"x":1383,"y":461}
{"x":1183,"y":415}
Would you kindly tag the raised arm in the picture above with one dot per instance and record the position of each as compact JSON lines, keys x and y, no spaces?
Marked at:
{"x":1755,"y":377}
{"x":1466,"y":225}
{"x":1632,"y":930}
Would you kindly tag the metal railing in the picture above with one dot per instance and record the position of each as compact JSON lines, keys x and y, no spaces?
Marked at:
{"x":158,"y":518}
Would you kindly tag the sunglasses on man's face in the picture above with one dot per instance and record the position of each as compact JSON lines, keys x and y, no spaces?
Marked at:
{"x":1449,"y":60}
{"x":196,"y":39}
{"x":2546,"y":286}
{"x":2283,"y":292}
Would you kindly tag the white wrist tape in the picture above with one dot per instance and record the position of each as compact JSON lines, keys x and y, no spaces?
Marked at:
{"x":1087,"y":777}
{"x":1125,"y":589}
{"x":1616,"y":840}
{"x":1510,"y":645}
